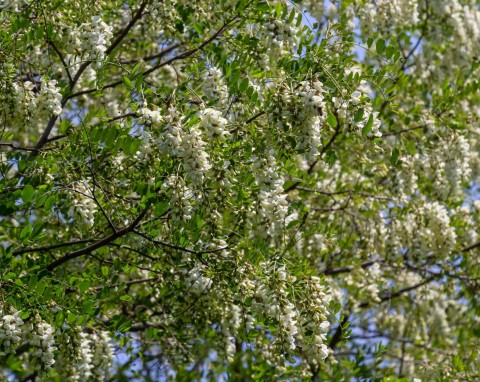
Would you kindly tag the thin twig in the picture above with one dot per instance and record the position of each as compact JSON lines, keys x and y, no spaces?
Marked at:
{"x":100,"y":243}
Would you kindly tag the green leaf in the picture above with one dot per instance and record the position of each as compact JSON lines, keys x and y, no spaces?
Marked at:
{"x":235,"y":77}
{"x":368,"y":126}
{"x":332,"y":120}
{"x":410,"y":147}
{"x":278,"y":9}
{"x":124,"y":326}
{"x":88,"y":307}
{"x":26,"y":232}
{"x":59,"y":319}
{"x":394,"y":157}
{"x":380,"y":45}
{"x":126,"y":297}
{"x":32,"y":283}
{"x":64,"y":126}
{"x":389,"y":52}
{"x":458,"y":364}
{"x":105,"y":271}
{"x":40,"y":288}
{"x":9,"y":276}
{"x":127,"y":82}
{"x":71,"y":317}
{"x":390,"y":89}
{"x":136,"y":67}
{"x":358,"y":115}
{"x":37,"y":228}
{"x":27,"y":193}
{"x":243,"y":85}
{"x":291,"y":17}
{"x":84,"y":285}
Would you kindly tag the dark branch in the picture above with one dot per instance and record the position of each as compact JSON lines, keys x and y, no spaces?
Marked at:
{"x":50,"y":247}
{"x":60,"y":56}
{"x":400,"y":292}
{"x":100,"y":243}
{"x":51,"y":122}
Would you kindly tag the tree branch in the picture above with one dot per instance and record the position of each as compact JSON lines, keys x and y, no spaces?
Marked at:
{"x":50,"y":247}
{"x":194,"y":50}
{"x":400,"y":292}
{"x":73,"y":82}
{"x":100,"y":243}
{"x":60,"y":56}
{"x":337,"y":336}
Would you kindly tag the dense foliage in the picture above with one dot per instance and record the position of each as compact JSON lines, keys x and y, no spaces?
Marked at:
{"x":239,"y":189}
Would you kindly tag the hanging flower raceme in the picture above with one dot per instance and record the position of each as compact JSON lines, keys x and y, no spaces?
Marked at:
{"x":10,"y":331}
{"x":84,"y":207}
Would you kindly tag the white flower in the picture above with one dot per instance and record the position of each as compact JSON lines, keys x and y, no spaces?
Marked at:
{"x":214,"y":123}
{"x":95,"y":37}
{"x":50,"y":97}
{"x":83,"y":205}
{"x":356,"y":97}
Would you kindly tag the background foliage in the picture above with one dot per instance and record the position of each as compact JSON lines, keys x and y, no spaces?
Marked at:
{"x":243,"y":190}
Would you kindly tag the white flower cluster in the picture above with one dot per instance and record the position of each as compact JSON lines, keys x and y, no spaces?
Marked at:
{"x":302,"y":111}
{"x":31,"y":104}
{"x":426,"y":230}
{"x":37,"y":333}
{"x":315,"y":8}
{"x":146,"y":147}
{"x":346,"y":107}
{"x":279,"y":36}
{"x":83,"y":205}
{"x":84,"y":364}
{"x":448,"y":165}
{"x":10,"y":331}
{"x":182,"y":198}
{"x":405,"y":181}
{"x":273,"y":206}
{"x":314,"y":322}
{"x":430,"y":319}
{"x":44,"y":342}
{"x":467,"y":230}
{"x":366,"y":283}
{"x":12,"y":5}
{"x":150,"y":117}
{"x":462,"y":20}
{"x":213,"y":122}
{"x":186,"y":145}
{"x":214,"y":86}
{"x":440,"y":234}
{"x":95,"y":37}
{"x":403,"y":13}
{"x":103,"y":355}
{"x":85,"y":356}
{"x":165,"y":10}
{"x":439,"y":58}
{"x":282,"y":34}
{"x":311,"y":116}
{"x":278,"y":305}
{"x":232,"y":320}
{"x":50,"y":97}
{"x":26,"y":101}
{"x":197,"y":282}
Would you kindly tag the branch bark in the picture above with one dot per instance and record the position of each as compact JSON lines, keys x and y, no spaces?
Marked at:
{"x":51,"y":122}
{"x":100,"y":243}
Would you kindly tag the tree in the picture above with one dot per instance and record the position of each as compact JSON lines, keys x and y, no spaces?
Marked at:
{"x":243,"y":190}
